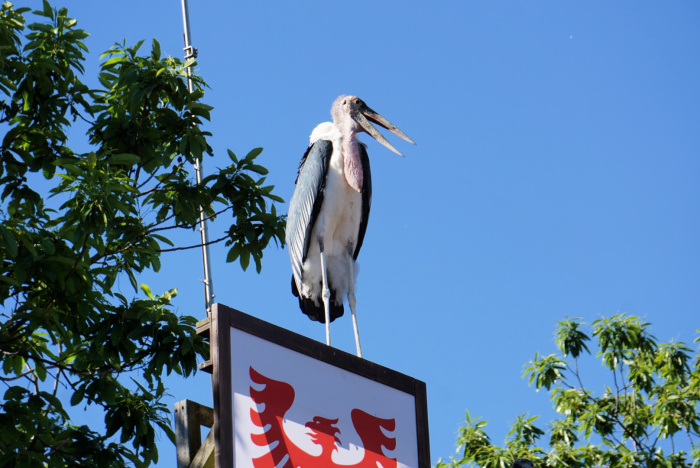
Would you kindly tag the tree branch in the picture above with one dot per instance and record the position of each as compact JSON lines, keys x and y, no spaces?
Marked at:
{"x":194,"y":246}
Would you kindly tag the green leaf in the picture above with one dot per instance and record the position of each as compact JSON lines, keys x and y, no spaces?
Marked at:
{"x":124,"y":158}
{"x":48,"y":11}
{"x":233,"y":253}
{"x":155,"y":50}
{"x":48,"y":246}
{"x":245,"y":258}
{"x":9,"y":241}
{"x":112,"y":61}
{"x":77,"y":396}
{"x":27,"y":243}
{"x":135,"y":49}
{"x":163,"y":239}
{"x":40,"y":371}
{"x":254,"y":153}
{"x":147,"y":290}
{"x":258,"y":169}
{"x":108,"y":391}
{"x":92,"y":160}
{"x":11,"y":281}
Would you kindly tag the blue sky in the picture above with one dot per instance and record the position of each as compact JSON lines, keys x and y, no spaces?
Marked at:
{"x":556,"y":173}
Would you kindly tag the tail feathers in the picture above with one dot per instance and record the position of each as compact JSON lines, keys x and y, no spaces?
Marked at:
{"x":314,"y":311}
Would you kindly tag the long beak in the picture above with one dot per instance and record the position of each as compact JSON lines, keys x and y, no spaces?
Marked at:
{"x":362,"y":116}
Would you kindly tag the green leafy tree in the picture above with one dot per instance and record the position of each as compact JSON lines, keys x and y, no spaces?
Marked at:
{"x":646,"y":417}
{"x":66,"y":327}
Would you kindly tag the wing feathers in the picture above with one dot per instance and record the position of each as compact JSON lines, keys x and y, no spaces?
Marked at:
{"x":306,"y":203}
{"x":366,"y":198}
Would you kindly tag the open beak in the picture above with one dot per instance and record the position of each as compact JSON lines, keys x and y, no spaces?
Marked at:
{"x":363,"y":115}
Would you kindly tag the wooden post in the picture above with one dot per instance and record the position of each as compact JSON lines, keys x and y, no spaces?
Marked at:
{"x":191,"y":452}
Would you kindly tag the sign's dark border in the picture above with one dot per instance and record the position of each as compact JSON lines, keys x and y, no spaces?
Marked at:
{"x":223,"y":318}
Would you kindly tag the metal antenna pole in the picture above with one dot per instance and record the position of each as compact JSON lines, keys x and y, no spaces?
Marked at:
{"x":191,"y":52}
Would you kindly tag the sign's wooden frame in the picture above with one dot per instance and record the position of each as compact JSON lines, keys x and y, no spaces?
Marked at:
{"x":223,"y":318}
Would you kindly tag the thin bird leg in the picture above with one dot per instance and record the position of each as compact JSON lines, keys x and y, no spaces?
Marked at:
{"x":352,"y":301}
{"x":325,"y":294}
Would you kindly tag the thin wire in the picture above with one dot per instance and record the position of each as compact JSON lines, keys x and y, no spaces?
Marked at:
{"x":191,"y":52}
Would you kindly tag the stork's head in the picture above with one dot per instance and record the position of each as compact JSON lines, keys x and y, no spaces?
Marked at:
{"x":351,"y":113}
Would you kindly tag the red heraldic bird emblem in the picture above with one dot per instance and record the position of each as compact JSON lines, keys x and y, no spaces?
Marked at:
{"x":277,"y":397}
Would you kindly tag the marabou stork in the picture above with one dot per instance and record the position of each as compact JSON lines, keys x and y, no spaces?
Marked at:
{"x":329,"y":210}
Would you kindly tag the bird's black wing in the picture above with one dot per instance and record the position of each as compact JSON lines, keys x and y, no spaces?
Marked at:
{"x":306,"y":203}
{"x":366,"y":198}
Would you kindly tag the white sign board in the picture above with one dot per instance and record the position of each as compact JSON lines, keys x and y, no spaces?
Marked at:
{"x":292,"y":410}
